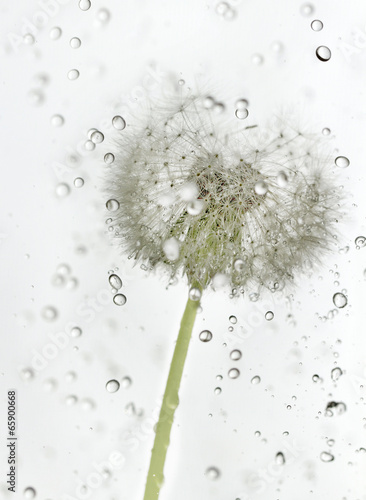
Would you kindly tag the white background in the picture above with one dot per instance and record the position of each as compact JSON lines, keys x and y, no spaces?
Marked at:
{"x":59,"y":444}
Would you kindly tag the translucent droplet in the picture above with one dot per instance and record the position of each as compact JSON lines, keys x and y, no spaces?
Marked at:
{"x":280,"y":458}
{"x":75,"y":332}
{"x":195,"y":294}
{"x":70,"y":376}
{"x":49,"y":313}
{"x":109,"y":158}
{"x":118,"y":122}
{"x":256,"y":380}
{"x":171,"y":249}
{"x":112,"y":205}
{"x":360,"y":241}
{"x":239,"y":265}
{"x":330,"y":442}
{"x":208,"y":102}
{"x":126,"y":382}
{"x":55,"y":33}
{"x":119,"y":299}
{"x":306,"y":9}
{"x":78,"y":182}
{"x":36,"y":97}
{"x":219,"y":108}
{"x":212,"y":473}
{"x":241,"y":114}
{"x":269,"y":315}
{"x":195,"y":207}
{"x":84,"y":4}
{"x":282,"y":179}
{"x":323,"y":53}
{"x":326,"y":457}
{"x":261,"y":188}
{"x":103,"y":15}
{"x":29,"y":39}
{"x":62,"y":190}
{"x":30,"y":493}
{"x":342,"y":161}
{"x":253,"y":297}
{"x":316,"y":378}
{"x":339,"y":300}
{"x":97,"y":137}
{"x":257,"y":433}
{"x":57,"y":120}
{"x":205,"y":336}
{"x":75,"y":42}
{"x":316,"y":25}
{"x":326,"y":131}
{"x":115,"y":281}
{"x":112,"y":385}
{"x":217,"y":391}
{"x":27,"y":374}
{"x":242,"y":104}
{"x":73,"y":74}
{"x":234,"y":373}
{"x":71,"y":400}
{"x":50,"y":385}
{"x":257,"y":59}
{"x":89,"y":145}
{"x":235,"y":355}
{"x":336,"y":373}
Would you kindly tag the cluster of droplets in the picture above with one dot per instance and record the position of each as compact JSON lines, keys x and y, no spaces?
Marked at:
{"x":119,"y":299}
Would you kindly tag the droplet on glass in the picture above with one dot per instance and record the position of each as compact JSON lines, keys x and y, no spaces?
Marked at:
{"x":208,"y":102}
{"x":84,"y":4}
{"x":103,"y":15}
{"x":97,"y":137}
{"x":118,"y":122}
{"x":75,"y":332}
{"x":62,"y":190}
{"x":109,"y":158}
{"x":219,"y":108}
{"x":242,"y":104}
{"x":306,"y":9}
{"x":115,"y":281}
{"x":73,"y":74}
{"x":75,"y":42}
{"x":212,"y":473}
{"x":316,"y":25}
{"x":112,"y":385}
{"x":241,"y":114}
{"x":360,"y":241}
{"x":282,"y":179}
{"x":326,"y":456}
{"x":55,"y":33}
{"x":57,"y":120}
{"x":336,"y":373}
{"x":205,"y":336}
{"x":326,"y":131}
{"x":257,"y":59}
{"x":29,"y":493}
{"x":195,"y":294}
{"x":234,"y":373}
{"x":112,"y":205}
{"x":71,"y":400}
{"x":342,"y":161}
{"x":78,"y":182}
{"x":29,"y":39}
{"x":280,"y":458}
{"x":323,"y":53}
{"x":256,"y":380}
{"x":126,"y":382}
{"x":119,"y":299}
{"x":49,"y":313}
{"x":269,"y":315}
{"x":261,"y":188}
{"x":339,"y":300}
{"x":235,"y":355}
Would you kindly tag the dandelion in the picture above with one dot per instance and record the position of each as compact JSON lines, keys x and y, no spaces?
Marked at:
{"x":248,"y":209}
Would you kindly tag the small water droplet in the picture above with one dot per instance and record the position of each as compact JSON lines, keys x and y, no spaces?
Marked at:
{"x":218,"y":391}
{"x":126,"y":382}
{"x":115,"y":281}
{"x":261,"y":188}
{"x":316,"y":25}
{"x":195,"y":294}
{"x":326,"y":131}
{"x":103,"y":15}
{"x":282,"y":179}
{"x":306,"y":9}
{"x":253,"y":297}
{"x":233,"y":319}
{"x":280,"y":458}
{"x":27,"y":374}
{"x":234,"y":373}
{"x":75,"y":332}
{"x":195,"y":207}
{"x":239,"y":265}
{"x":49,"y":313}
{"x":336,"y":373}
{"x":235,"y":355}
{"x":212,"y":473}
{"x":218,"y":108}
{"x":84,"y":4}
{"x":62,"y":190}
{"x":342,"y":161}
{"x":73,"y":74}
{"x":28,"y":39}
{"x":241,"y":114}
{"x":323,"y":53}
{"x":339,"y":300}
{"x":97,"y":137}
{"x":118,"y":122}
{"x":326,"y":457}
{"x":109,"y":158}
{"x":269,"y":315}
{"x":112,"y":385}
{"x":205,"y":336}
{"x":119,"y":299}
{"x":208,"y":102}
{"x":316,"y":378}
{"x":55,"y":33}
{"x":30,"y":493}
{"x":75,"y":42}
{"x":57,"y":120}
{"x":256,"y":380}
{"x":257,"y":59}
{"x":360,"y":242}
{"x":112,"y":205}
{"x":78,"y":182}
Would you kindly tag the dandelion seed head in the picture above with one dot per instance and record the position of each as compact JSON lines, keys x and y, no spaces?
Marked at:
{"x":248,"y":208}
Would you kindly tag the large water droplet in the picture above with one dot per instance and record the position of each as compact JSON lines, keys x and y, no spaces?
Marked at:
{"x":84,"y":4}
{"x":73,"y":74}
{"x":234,"y":373}
{"x":55,"y":33}
{"x":339,"y":300}
{"x":282,"y":179}
{"x":62,"y":190}
{"x":235,"y":355}
{"x":316,"y":25}
{"x":97,"y":137}
{"x":342,"y":161}
{"x":112,"y":385}
{"x":119,"y":299}
{"x":205,"y":336}
{"x":115,"y":281}
{"x":323,"y":53}
{"x":78,"y":182}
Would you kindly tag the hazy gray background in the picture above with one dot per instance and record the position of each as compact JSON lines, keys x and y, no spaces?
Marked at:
{"x":61,"y":437}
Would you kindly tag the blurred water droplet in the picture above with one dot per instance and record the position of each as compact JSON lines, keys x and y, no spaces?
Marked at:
{"x":119,"y":299}
{"x":261,"y":188}
{"x":256,"y":380}
{"x":217,"y":391}
{"x":112,"y":205}
{"x":219,"y":108}
{"x":71,"y":400}
{"x":49,"y":313}
{"x":234,"y":373}
{"x":30,"y":493}
{"x":326,"y":131}
{"x":306,"y":9}
{"x":339,"y":300}
{"x":205,"y":336}
{"x":336,"y":373}
{"x":253,"y":297}
{"x":316,"y":25}
{"x":282,"y":179}
{"x":84,"y":4}
{"x":326,"y":457}
{"x":342,"y":161}
{"x":28,"y":39}
{"x":57,"y":120}
{"x":239,"y":265}
{"x":171,"y":249}
{"x":208,"y":102}
{"x":115,"y":281}
{"x":235,"y":355}
{"x":241,"y":114}
{"x":360,"y":242}
{"x":257,"y":59}
{"x":269,"y":315}
{"x":242,"y":104}
{"x":75,"y":332}
{"x":118,"y":122}
{"x":50,"y":385}
{"x":233,"y":319}
{"x":257,"y":433}
{"x":73,"y":74}
{"x":323,"y":53}
{"x":103,"y":15}
{"x":75,"y":42}
{"x":280,"y":458}
{"x":109,"y":158}
{"x":195,"y":294}
{"x":55,"y":33}
{"x":212,"y":473}
{"x":89,"y":145}
{"x":27,"y":374}
{"x":62,"y":190}
{"x":316,"y":378}
{"x":70,"y":376}
{"x":78,"y":182}
{"x":112,"y":385}
{"x":36,"y":97}
{"x":195,"y":207}
{"x":126,"y":382}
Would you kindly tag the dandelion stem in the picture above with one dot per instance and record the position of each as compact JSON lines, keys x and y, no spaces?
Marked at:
{"x":170,"y":402}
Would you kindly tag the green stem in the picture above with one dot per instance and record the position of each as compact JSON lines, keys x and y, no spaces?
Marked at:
{"x":155,"y":475}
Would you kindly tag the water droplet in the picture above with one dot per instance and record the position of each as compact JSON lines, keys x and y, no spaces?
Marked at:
{"x":342,"y":161}
{"x":84,"y":4}
{"x":70,"y":376}
{"x":326,"y":131}
{"x":253,"y":297}
{"x":330,"y":442}
{"x":27,"y":374}
{"x":257,"y":433}
{"x":219,"y":108}
{"x":338,"y":407}
{"x":89,"y":145}
{"x":103,"y":15}
{"x":171,"y":249}
{"x":336,"y":373}
{"x":256,"y":380}
{"x":75,"y":42}
{"x":195,"y":207}
{"x":112,"y":385}
{"x":30,"y":493}
{"x":323,"y":53}
{"x":109,"y":158}
{"x":316,"y":25}
{"x":75,"y":332}
{"x":115,"y":281}
{"x":241,"y":114}
{"x":205,"y":336}
{"x":97,"y":137}
{"x":235,"y":355}
{"x":50,"y":385}
{"x":78,"y":182}
{"x":119,"y":299}
{"x":212,"y":473}
{"x":239,"y":265}
{"x":118,"y":122}
{"x":71,"y":400}
{"x":126,"y":382}
{"x":49,"y":313}
{"x":234,"y":373}
{"x":269,"y":315}
{"x":208,"y":102}
{"x":360,"y":242}
{"x":55,"y":33}
{"x":195,"y":294}
{"x":306,"y":9}
{"x":316,"y":378}
{"x":218,"y":391}
{"x":36,"y":97}
{"x":112,"y":205}
{"x":261,"y":188}
{"x":233,"y":319}
{"x":73,"y":74}
{"x":339,"y":300}
{"x":57,"y":120}
{"x":28,"y":39}
{"x":280,"y":458}
{"x":242,"y":104}
{"x":326,"y":457}
{"x":62,"y":190}
{"x":257,"y":59}
{"x":282,"y":179}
